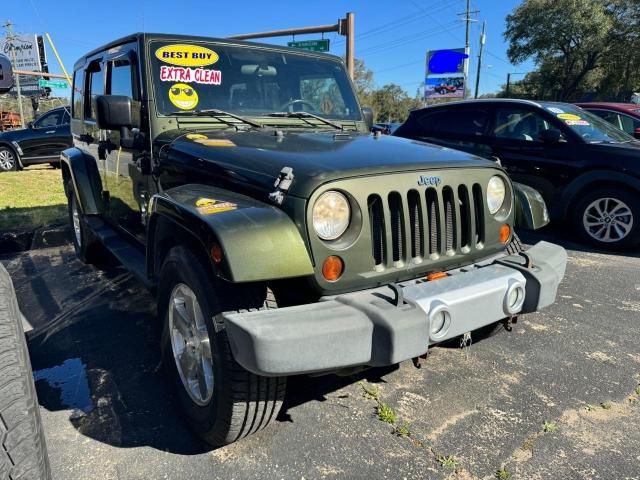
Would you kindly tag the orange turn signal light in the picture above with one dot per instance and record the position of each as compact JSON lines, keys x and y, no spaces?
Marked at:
{"x":436,"y":276}
{"x":332,"y":268}
{"x":216,"y":253}
{"x":505,"y":233}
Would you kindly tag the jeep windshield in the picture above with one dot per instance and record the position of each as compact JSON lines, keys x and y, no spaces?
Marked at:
{"x":590,"y":127}
{"x":249,"y":81}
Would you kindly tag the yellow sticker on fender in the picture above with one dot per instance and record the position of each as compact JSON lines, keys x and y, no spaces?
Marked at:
{"x":209,"y":206}
{"x":187,"y":55}
{"x":216,"y":142}
{"x":568,"y":116}
{"x":196,"y":136}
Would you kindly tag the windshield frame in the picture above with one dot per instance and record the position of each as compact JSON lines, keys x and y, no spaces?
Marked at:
{"x":596,"y":122}
{"x":154,"y":82}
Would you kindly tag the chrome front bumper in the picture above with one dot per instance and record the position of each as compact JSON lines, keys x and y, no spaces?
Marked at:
{"x":387,"y":325}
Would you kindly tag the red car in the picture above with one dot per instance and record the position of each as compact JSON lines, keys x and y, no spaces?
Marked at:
{"x":625,"y":116}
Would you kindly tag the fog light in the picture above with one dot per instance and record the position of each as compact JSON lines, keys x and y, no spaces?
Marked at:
{"x":439,"y":320}
{"x":332,"y":268}
{"x":514,"y":299}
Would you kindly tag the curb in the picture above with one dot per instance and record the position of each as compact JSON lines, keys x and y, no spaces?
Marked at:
{"x":43,"y":237}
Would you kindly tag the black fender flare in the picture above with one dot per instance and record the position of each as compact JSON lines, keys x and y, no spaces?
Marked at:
{"x":258,"y":241}
{"x":85,"y":178}
{"x":4,"y":143}
{"x":570,"y":193}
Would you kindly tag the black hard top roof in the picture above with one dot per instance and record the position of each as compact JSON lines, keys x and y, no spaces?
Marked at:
{"x":178,"y":37}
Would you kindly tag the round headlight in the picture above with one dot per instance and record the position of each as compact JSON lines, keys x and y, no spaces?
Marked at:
{"x":496,"y":191}
{"x":331,"y":215}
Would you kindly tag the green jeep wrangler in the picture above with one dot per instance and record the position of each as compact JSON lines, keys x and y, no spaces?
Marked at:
{"x":240,"y":183}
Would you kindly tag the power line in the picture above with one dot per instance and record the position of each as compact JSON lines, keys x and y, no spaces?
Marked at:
{"x":404,"y":40}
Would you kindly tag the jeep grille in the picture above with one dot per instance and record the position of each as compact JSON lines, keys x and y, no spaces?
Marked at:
{"x":437,"y":222}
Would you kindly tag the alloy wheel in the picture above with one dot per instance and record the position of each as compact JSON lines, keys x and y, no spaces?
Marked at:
{"x":608,"y":220}
{"x":190,"y":344}
{"x":7,"y":160}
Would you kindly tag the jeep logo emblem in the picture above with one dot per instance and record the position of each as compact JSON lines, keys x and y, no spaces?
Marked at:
{"x":426,"y":181}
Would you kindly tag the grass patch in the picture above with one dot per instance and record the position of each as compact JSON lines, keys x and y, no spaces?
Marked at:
{"x":386,"y":413}
{"x":637,"y":390}
{"x":402,"y":431}
{"x":32,"y":198}
{"x":549,"y":427}
{"x":503,"y":474}
{"x":448,"y":461}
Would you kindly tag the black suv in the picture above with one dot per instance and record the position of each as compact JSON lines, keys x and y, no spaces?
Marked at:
{"x":41,"y":142}
{"x":587,"y":171}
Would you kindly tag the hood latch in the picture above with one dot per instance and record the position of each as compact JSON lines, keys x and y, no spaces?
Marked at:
{"x":282,"y":184}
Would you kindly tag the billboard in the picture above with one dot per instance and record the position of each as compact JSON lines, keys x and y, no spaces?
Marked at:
{"x":444,"y":87}
{"x":29,"y":55}
{"x":446,"y":61}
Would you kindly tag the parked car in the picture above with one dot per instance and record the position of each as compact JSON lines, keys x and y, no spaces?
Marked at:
{"x":41,"y":142}
{"x":625,"y":116}
{"x":587,"y":170}
{"x":279,"y":241}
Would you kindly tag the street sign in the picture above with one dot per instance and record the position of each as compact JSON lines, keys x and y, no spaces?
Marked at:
{"x":321,"y":45}
{"x":52,"y":84}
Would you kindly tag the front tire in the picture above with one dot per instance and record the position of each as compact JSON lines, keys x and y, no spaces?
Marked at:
{"x":23,"y":453}
{"x":221,"y":401}
{"x":8,"y":160}
{"x":608,"y":219}
{"x":85,"y":246}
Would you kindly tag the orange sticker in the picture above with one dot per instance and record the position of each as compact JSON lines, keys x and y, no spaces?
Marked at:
{"x":216,"y":142}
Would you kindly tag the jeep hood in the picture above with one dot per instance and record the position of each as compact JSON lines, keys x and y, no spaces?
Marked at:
{"x":255,"y":158}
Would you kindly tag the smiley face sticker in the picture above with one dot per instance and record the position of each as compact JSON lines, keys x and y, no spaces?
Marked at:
{"x":183,"y":96}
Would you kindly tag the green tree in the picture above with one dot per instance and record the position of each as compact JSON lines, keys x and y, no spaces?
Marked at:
{"x":568,"y":39}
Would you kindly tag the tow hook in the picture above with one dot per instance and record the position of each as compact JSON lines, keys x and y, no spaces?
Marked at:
{"x":417,"y":360}
{"x":509,"y":322}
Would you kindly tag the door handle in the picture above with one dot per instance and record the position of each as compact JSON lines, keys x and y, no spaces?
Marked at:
{"x":51,"y":131}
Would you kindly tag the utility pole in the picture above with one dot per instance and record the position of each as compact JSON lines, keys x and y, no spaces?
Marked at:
{"x":482,"y":40}
{"x":467,"y":18}
{"x":10,"y":39}
{"x":506,"y":90}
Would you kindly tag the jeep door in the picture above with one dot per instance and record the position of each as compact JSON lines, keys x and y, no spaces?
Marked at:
{"x":127,"y":186}
{"x":516,"y":139}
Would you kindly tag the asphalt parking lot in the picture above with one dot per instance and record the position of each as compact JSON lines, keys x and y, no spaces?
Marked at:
{"x":576,"y":366}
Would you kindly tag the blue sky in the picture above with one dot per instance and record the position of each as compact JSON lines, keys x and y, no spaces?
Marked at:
{"x":391,"y":37}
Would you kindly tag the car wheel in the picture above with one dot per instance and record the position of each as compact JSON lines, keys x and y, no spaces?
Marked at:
{"x":608,"y":219}
{"x":8,"y":160}
{"x":221,"y":401}
{"x":23,"y":453}
{"x":86,"y":247}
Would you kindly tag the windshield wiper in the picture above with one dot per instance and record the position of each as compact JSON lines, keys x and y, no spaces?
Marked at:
{"x":217,"y":113}
{"x":304,"y":116}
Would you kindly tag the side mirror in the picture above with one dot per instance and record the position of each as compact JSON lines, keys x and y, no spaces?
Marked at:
{"x":29,"y":124}
{"x":551,"y":135}
{"x":636,"y":133}
{"x":6,"y":74}
{"x":113,"y":112}
{"x":367,"y":113}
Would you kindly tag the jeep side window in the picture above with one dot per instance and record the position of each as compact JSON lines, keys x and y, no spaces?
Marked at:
{"x":95,"y":87}
{"x":120,"y":79}
{"x":77,"y":92}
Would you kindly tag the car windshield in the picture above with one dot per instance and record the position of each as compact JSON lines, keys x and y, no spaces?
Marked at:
{"x":248,"y":81}
{"x":589,"y":126}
